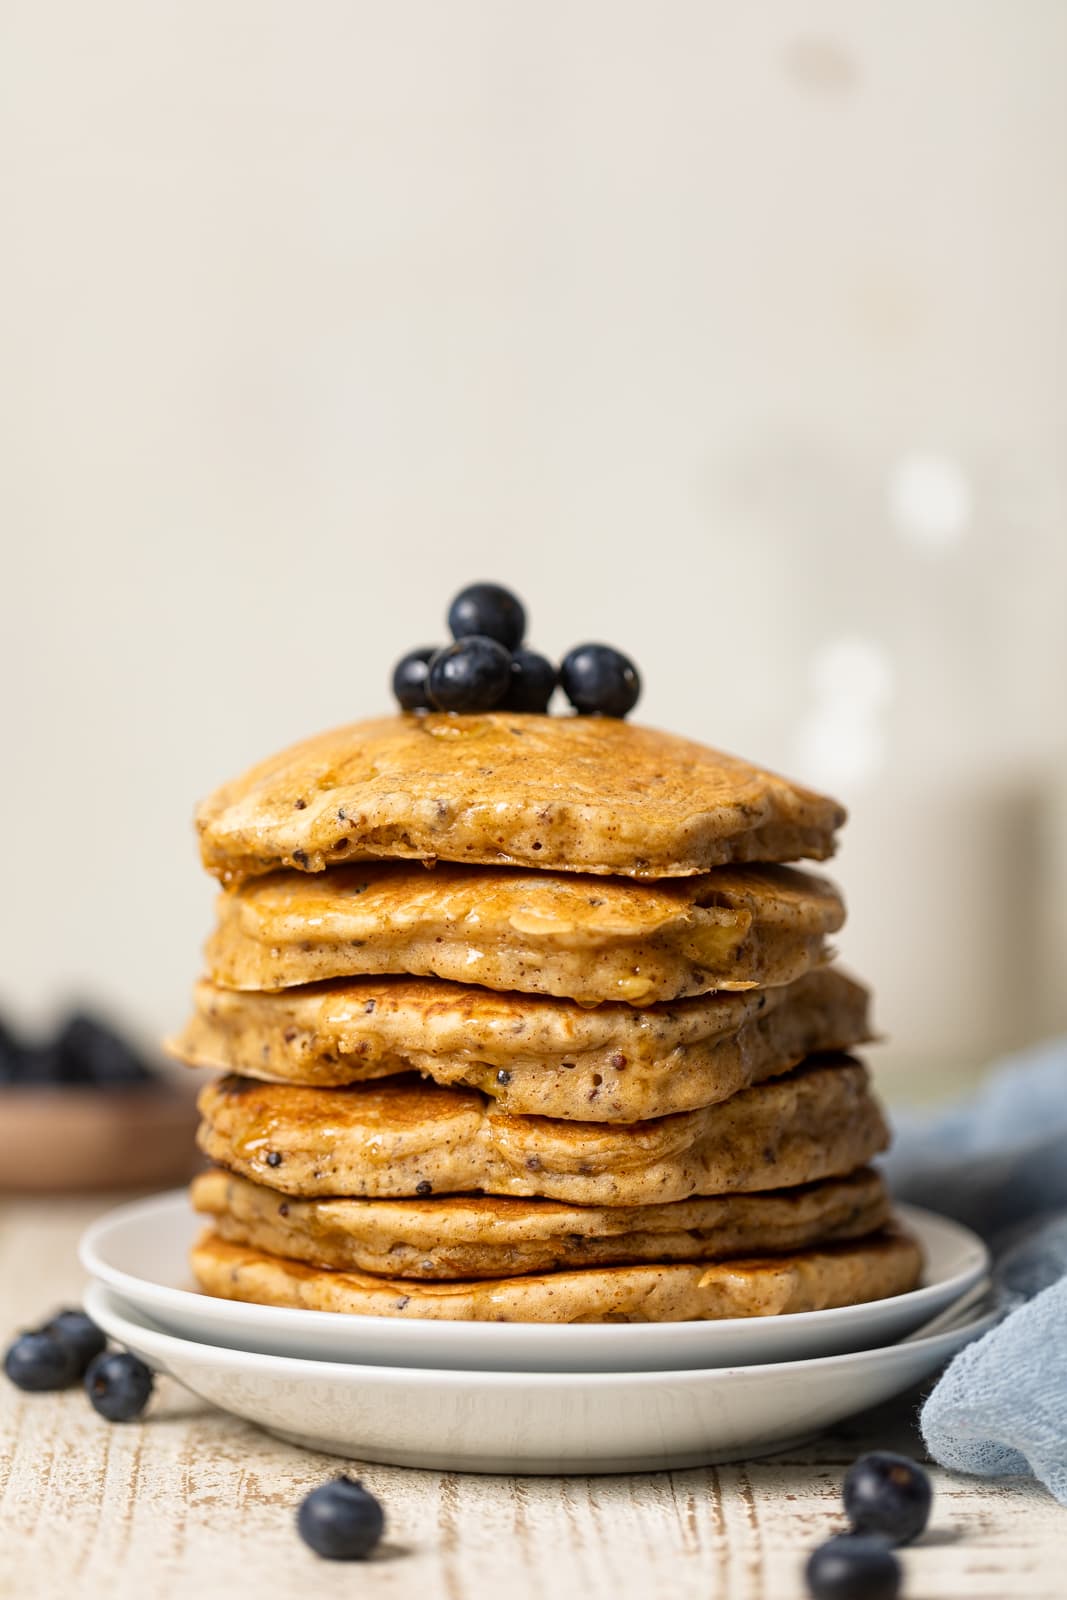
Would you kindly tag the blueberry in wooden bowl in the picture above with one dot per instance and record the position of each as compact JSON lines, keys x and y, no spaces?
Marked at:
{"x":83,"y":1110}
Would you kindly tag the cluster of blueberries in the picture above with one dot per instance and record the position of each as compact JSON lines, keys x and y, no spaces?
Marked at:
{"x":69,"y":1348}
{"x":887,"y":1497}
{"x":887,"y":1502}
{"x":83,"y":1051}
{"x":487,"y":667}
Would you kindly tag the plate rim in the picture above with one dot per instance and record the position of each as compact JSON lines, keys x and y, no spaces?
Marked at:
{"x":132,"y":1288}
{"x":983,"y":1319}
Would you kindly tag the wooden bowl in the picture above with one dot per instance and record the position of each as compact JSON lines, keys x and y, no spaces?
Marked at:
{"x":68,"y":1139}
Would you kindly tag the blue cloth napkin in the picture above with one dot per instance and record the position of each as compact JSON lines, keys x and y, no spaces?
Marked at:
{"x":998,"y":1162}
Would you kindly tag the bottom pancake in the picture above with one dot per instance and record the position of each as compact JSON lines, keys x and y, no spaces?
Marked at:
{"x":886,"y":1264}
{"x":486,"y":1236}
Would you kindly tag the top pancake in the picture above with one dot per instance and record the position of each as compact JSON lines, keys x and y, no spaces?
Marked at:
{"x":578,"y":794}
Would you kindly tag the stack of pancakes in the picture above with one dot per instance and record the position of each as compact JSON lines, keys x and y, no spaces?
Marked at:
{"x":522,"y":1018}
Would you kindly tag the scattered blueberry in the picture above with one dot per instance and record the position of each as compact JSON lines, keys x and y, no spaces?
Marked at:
{"x":81,"y":1336}
{"x":600,"y":681}
{"x":852,"y":1567}
{"x":341,"y":1520}
{"x":491,"y":612}
{"x":471,"y":675}
{"x":532,"y":682}
{"x":889,"y":1495}
{"x":410,"y":679}
{"x":39,"y":1361}
{"x":119,"y":1385}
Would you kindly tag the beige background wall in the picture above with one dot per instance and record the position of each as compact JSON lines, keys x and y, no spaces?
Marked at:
{"x":735,"y":334}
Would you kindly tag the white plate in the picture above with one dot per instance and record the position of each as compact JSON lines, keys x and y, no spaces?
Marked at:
{"x":140,"y":1251}
{"x":535,"y":1422}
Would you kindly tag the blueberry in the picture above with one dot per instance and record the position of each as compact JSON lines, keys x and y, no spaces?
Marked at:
{"x":471,"y":675}
{"x":600,"y":681}
{"x":12,"y":1056}
{"x":532,"y":682}
{"x":490,"y":611}
{"x":341,"y":1520}
{"x":119,"y":1385}
{"x":39,"y":1361}
{"x":410,"y":679}
{"x":889,"y":1495}
{"x":59,"y":1062}
{"x":81,"y":1336}
{"x":853,"y":1568}
{"x":87,"y":1051}
{"x":42,"y":1067}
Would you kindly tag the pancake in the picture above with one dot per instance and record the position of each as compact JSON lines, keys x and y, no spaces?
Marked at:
{"x":572,"y":794}
{"x":531,"y":1054}
{"x":811,"y":1280}
{"x":401,"y":1136}
{"x":585,"y":939}
{"x":485,"y":1236}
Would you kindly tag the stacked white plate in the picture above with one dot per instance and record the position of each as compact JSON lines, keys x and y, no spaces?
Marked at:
{"x":527,"y":1397}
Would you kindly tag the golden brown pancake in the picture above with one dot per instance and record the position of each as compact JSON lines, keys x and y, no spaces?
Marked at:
{"x":586,"y":939}
{"x":572,"y":794}
{"x":810,"y":1280}
{"x":486,"y":1236}
{"x":399,"y":1137}
{"x":531,"y":1054}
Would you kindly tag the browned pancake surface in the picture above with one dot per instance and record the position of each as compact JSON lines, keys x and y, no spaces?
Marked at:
{"x":582,"y":794}
{"x":487,"y":1236}
{"x":586,"y":939}
{"x":812,"y":1280}
{"x":532,"y":1054}
{"x":398,"y":1137}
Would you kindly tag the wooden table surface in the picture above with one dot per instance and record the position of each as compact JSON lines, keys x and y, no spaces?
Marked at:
{"x":192,"y":1503}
